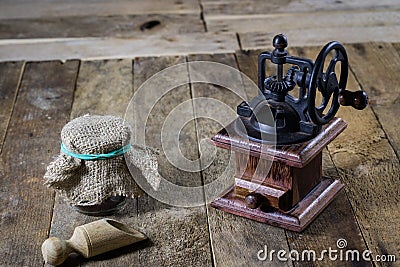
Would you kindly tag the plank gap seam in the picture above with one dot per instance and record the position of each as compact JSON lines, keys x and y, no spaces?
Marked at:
{"x":22,"y":72}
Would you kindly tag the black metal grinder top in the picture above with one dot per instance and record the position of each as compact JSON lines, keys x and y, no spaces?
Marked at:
{"x":297,"y":119}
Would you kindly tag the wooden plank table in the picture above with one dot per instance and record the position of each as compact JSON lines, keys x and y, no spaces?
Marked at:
{"x":37,"y":99}
{"x":42,"y":30}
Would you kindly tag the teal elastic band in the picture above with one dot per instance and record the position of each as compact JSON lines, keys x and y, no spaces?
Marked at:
{"x":112,"y":154}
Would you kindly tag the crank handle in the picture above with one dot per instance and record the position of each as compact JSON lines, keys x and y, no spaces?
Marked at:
{"x":358,"y":99}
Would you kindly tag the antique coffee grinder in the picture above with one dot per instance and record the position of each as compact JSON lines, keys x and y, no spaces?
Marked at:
{"x":283,"y":185}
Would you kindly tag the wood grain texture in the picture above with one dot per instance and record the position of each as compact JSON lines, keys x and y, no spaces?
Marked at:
{"x":10,"y":76}
{"x":374,"y":66}
{"x":116,"y":48}
{"x":388,"y":113}
{"x":285,"y":22}
{"x":260,"y":7}
{"x":366,"y":161}
{"x":320,"y":36}
{"x":370,"y":169}
{"x":103,"y":88}
{"x":103,"y":26}
{"x":235,"y":240}
{"x":50,"y":9}
{"x":42,"y":107}
{"x":178,"y":236}
{"x":336,"y":221}
{"x":397,"y":47}
{"x":209,"y":116}
{"x":328,"y":227}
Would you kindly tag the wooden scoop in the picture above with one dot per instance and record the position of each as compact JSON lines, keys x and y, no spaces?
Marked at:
{"x":90,"y":240}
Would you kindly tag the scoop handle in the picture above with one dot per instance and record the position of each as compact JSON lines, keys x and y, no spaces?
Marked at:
{"x":91,"y":239}
{"x":55,"y":251}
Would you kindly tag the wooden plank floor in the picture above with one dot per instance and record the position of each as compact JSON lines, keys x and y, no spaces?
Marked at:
{"x":38,"y":98}
{"x":98,"y":29}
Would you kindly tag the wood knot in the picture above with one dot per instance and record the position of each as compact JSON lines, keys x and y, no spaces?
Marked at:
{"x":149,"y":25}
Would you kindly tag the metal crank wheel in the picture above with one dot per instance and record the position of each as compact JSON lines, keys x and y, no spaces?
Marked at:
{"x":327,"y":83}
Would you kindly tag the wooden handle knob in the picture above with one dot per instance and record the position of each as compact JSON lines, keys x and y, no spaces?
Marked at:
{"x":55,"y":251}
{"x":358,"y":99}
{"x":253,"y":200}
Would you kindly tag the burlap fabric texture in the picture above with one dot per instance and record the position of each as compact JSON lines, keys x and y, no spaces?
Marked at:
{"x":90,"y":182}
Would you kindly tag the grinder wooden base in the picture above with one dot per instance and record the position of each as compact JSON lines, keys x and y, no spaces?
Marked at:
{"x":296,"y":219}
{"x":289,"y":194}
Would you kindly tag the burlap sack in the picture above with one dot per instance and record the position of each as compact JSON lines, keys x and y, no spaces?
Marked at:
{"x":89,"y":182}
